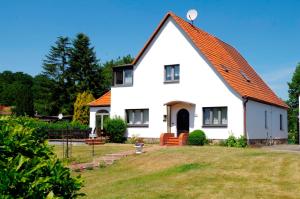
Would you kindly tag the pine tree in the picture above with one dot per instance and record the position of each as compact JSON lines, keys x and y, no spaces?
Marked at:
{"x":55,"y":67}
{"x":84,"y":68}
{"x":81,"y":109}
{"x":294,"y":91}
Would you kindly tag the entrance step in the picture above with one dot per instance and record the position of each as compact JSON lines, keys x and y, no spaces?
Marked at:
{"x":172,"y":141}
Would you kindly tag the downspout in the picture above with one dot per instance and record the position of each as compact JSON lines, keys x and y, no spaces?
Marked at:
{"x":245,"y":100}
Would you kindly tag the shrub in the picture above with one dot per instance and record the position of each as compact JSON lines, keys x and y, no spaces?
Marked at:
{"x":28,"y":166}
{"x":241,"y":142}
{"x":197,"y":137}
{"x":232,"y":141}
{"x":115,"y":129}
{"x":292,"y":137}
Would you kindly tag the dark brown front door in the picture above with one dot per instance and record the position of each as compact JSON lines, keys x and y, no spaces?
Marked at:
{"x":183,"y":121}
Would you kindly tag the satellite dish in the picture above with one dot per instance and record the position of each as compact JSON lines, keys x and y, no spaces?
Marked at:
{"x":192,"y":15}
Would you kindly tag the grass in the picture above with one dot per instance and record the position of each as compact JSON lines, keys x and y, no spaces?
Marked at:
{"x":83,"y":153}
{"x":198,"y":172}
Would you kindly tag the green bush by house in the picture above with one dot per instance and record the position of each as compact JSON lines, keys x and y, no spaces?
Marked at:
{"x":115,"y":129}
{"x":197,"y":137}
{"x":232,"y":141}
{"x":28,"y":165}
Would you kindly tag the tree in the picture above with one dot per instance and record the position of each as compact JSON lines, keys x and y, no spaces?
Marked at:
{"x":81,"y":109}
{"x":106,"y":73}
{"x":84,"y":68}
{"x":45,"y":99}
{"x":24,"y":101}
{"x":294,"y":91}
{"x":55,"y":67}
{"x":9,"y":86}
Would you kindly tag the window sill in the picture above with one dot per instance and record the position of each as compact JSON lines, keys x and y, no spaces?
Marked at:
{"x":137,"y":125}
{"x":214,"y":126}
{"x":171,"y":82}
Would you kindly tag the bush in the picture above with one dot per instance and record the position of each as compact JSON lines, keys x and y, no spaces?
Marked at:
{"x":241,"y":142}
{"x":197,"y":137}
{"x":293,"y":137}
{"x":28,"y":166}
{"x":232,"y":141}
{"x":115,"y":129}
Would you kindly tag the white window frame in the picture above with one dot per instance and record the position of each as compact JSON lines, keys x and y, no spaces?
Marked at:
{"x":211,"y":118}
{"x":133,"y":111}
{"x":172,"y":80}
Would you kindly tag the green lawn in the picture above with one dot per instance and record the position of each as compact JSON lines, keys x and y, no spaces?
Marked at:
{"x":83,"y":153}
{"x":198,"y":172}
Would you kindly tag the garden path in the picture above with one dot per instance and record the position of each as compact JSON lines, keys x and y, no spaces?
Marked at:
{"x":109,"y":159}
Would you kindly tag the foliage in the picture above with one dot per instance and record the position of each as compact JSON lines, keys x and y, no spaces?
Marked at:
{"x":28,"y":166}
{"x":115,"y":129}
{"x":294,"y":91}
{"x":293,"y":137}
{"x":81,"y":109}
{"x":45,"y":95}
{"x":84,"y":68}
{"x":11,"y":84}
{"x":60,"y":125}
{"x":135,"y":139}
{"x":232,"y":141}
{"x":197,"y":137}
{"x":24,"y":101}
{"x":55,"y":68}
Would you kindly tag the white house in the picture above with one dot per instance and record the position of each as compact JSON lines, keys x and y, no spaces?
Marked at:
{"x":186,"y":79}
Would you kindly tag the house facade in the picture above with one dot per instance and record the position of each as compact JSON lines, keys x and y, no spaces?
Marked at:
{"x":186,"y":79}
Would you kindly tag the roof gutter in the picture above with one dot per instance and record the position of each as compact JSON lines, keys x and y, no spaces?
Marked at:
{"x":245,"y":100}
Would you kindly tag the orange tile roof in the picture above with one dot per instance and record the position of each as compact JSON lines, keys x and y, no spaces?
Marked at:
{"x":104,"y":100}
{"x":220,"y":54}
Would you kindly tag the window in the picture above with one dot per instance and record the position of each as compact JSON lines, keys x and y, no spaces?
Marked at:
{"x":245,"y":76}
{"x":266,"y":119}
{"x":172,"y":73}
{"x":280,"y":122}
{"x":225,"y":68}
{"x":137,"y":117}
{"x":215,"y":116}
{"x":123,"y":76}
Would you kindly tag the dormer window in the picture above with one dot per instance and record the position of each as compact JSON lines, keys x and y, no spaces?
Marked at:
{"x":172,"y":73}
{"x":123,"y":75}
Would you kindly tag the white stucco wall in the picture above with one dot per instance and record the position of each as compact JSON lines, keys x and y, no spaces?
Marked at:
{"x":256,"y":121}
{"x":93,"y":111}
{"x":199,"y":84}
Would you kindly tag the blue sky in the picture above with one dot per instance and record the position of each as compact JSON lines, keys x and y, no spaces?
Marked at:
{"x":266,"y":32}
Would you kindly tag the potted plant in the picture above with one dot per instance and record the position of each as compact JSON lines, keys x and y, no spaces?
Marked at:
{"x":139,"y":144}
